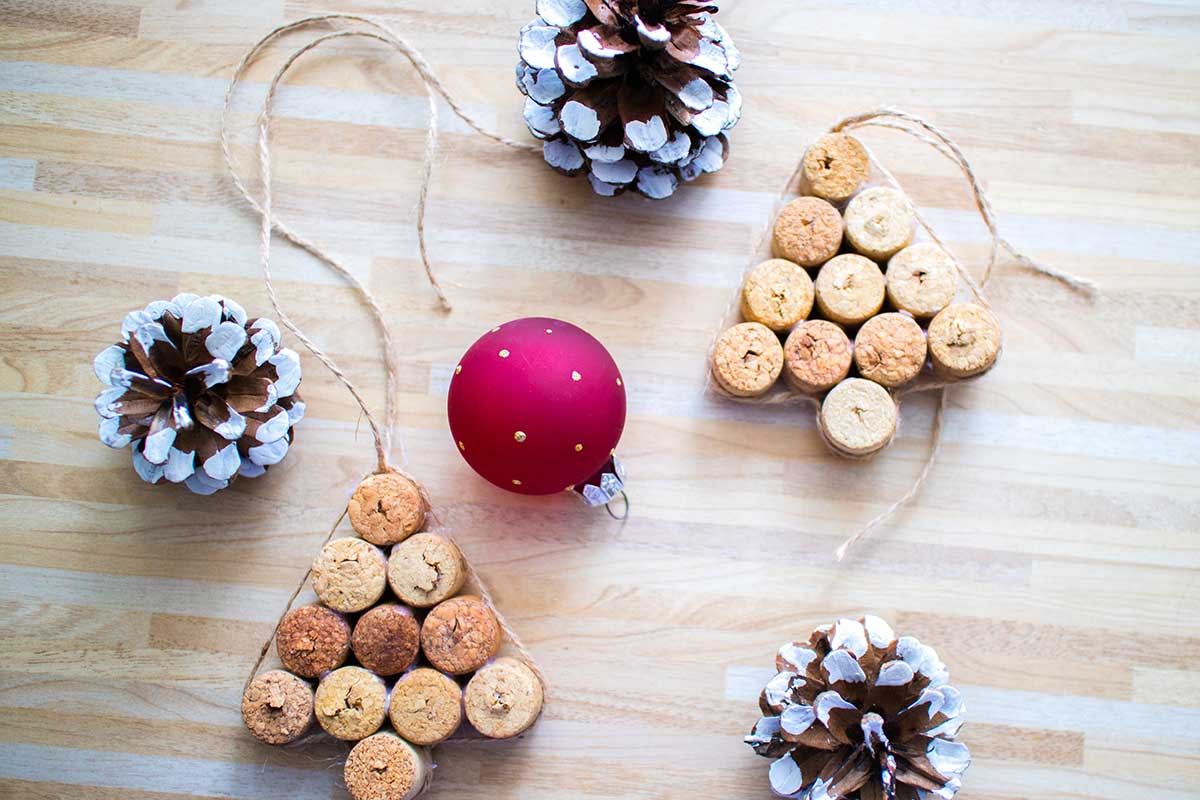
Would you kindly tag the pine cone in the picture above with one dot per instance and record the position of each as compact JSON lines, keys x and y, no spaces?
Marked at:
{"x":856,"y":713}
{"x":637,"y":93}
{"x":202,"y":393}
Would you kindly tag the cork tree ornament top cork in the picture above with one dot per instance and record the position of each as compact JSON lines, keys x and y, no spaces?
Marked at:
{"x":387,"y":508}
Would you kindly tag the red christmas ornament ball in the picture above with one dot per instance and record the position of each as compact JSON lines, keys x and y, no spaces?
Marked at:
{"x":536,"y":405}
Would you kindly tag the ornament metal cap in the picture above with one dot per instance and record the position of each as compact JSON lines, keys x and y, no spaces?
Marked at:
{"x":605,"y":486}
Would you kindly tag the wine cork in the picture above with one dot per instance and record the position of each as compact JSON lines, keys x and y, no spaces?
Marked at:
{"x":890,"y":349}
{"x":850,"y":289}
{"x":312,"y":640}
{"x":808,"y":232}
{"x":386,"y":639}
{"x":817,"y":356}
{"x":349,"y":574}
{"x":425,"y":569}
{"x":922,"y":280}
{"x":277,"y":707}
{"x":835,"y":166}
{"x":778,"y":293}
{"x":351,"y":703}
{"x":964,"y":340}
{"x":879,"y":222}
{"x":385,"y":767}
{"x":747,"y":359}
{"x":503,"y":699}
{"x":387,"y":508}
{"x":459,"y":635}
{"x":426,"y":706}
{"x":858,"y":417}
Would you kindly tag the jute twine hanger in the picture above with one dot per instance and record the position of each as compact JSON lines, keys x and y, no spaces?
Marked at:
{"x":383,"y":436}
{"x":929,"y":134}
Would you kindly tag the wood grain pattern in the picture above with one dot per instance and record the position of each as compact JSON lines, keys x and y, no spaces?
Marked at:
{"x":1053,"y":558}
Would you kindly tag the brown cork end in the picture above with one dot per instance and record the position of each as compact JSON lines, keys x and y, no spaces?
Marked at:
{"x":777,"y":293}
{"x":426,"y":706}
{"x":817,"y":356}
{"x":964,"y":340}
{"x":747,"y":359}
{"x":850,"y":289}
{"x":879,"y":222}
{"x":858,"y":417}
{"x":312,"y":640}
{"x":922,"y":280}
{"x":890,"y":349}
{"x":385,"y":767}
{"x":277,"y":707}
{"x":503,"y":699}
{"x":808,"y":231}
{"x":426,"y":569}
{"x":835,"y":166}
{"x":460,"y":635}
{"x":386,"y":639}
{"x":349,"y":574}
{"x":387,"y":508}
{"x":351,"y":703}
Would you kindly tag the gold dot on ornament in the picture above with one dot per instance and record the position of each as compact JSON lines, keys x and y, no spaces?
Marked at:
{"x":519,"y":436}
{"x":570,"y":488}
{"x":548,"y":330}
{"x":496,"y":329}
{"x":619,"y":382}
{"x":578,"y":448}
{"x":504,"y":354}
{"x":516,"y":482}
{"x":575,"y":376}
{"x":458,"y":369}
{"x":462,"y":446}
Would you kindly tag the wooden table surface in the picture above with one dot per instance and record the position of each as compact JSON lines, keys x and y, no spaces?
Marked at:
{"x":1052,"y":558}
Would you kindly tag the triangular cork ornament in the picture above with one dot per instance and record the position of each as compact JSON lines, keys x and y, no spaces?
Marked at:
{"x":844,"y":309}
{"x":403,"y":647}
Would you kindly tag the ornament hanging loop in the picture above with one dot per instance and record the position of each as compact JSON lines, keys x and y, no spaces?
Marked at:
{"x":624,"y":515}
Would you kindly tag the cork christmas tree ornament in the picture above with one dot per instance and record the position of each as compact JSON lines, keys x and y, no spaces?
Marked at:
{"x":851,"y":301}
{"x":402,"y":647}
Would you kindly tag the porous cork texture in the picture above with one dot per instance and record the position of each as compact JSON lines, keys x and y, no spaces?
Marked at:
{"x":349,"y":574}
{"x":747,"y":359}
{"x":835,"y":166}
{"x":922,"y":280}
{"x":351,"y":703}
{"x":426,"y":569}
{"x":426,"y":706}
{"x":277,"y":707}
{"x":777,"y":293}
{"x":387,"y":508}
{"x":312,"y":640}
{"x":386,"y":639}
{"x":808,"y":232}
{"x":850,"y":289}
{"x":890,"y":349}
{"x":385,"y":767}
{"x":964,"y":340}
{"x":817,"y":355}
{"x":460,"y":635}
{"x":858,"y":417}
{"x":879,"y":222}
{"x":503,"y":699}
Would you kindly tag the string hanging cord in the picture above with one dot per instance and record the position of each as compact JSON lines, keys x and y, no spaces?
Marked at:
{"x":269,"y":223}
{"x":431,"y":84}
